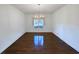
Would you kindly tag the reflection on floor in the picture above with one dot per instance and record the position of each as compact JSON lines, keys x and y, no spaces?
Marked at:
{"x":39,"y":43}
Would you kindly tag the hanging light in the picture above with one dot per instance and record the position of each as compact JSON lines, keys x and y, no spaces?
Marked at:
{"x":38,"y":4}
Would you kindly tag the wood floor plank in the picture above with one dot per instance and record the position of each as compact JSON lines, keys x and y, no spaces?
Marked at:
{"x":52,"y":45}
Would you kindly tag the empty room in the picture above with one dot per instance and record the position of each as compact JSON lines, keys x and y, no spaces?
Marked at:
{"x":39,"y":28}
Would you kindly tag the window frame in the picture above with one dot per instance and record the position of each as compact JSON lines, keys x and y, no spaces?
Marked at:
{"x":38,"y":22}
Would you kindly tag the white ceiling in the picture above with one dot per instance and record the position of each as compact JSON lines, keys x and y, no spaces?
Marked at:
{"x":35,"y":8}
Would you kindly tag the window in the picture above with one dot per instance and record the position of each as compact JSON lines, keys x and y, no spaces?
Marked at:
{"x":41,"y":23}
{"x":35,"y":23}
{"x":38,"y":23}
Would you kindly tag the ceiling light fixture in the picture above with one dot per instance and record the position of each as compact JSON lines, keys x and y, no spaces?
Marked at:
{"x":38,"y":4}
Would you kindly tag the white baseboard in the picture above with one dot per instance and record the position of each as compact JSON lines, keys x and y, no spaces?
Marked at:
{"x":65,"y":41}
{"x":10,"y":41}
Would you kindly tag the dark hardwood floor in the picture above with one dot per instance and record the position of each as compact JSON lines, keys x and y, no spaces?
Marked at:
{"x":52,"y":45}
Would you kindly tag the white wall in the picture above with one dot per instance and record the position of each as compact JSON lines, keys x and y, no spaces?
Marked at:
{"x":12,"y":25}
{"x":47,"y":24}
{"x":66,"y":25}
